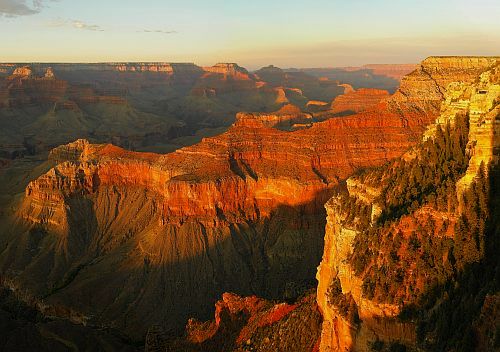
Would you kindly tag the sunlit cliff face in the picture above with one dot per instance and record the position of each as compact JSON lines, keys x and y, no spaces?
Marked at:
{"x":474,"y":96}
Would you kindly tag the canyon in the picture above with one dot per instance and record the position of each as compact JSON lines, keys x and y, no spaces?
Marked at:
{"x":146,"y":106}
{"x":140,"y":242}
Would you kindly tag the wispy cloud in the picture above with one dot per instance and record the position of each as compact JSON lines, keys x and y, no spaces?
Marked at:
{"x":86,"y":26}
{"x":14,"y":8}
{"x":161,"y":31}
{"x":78,"y":24}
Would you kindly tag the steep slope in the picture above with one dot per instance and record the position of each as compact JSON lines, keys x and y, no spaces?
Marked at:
{"x":135,"y":239}
{"x":404,"y":243}
{"x":215,"y":215}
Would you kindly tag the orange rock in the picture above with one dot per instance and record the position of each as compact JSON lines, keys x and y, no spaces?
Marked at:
{"x":358,"y":101}
{"x":252,"y":322}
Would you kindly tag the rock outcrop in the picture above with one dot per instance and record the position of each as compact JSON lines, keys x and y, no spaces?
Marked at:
{"x":229,"y":69}
{"x":248,"y":323}
{"x":431,"y":79}
{"x":358,"y":101}
{"x":376,"y":321}
{"x":23,"y":72}
{"x":484,"y":124}
{"x":285,"y":118}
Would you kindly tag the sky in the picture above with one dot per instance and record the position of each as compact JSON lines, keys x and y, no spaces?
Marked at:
{"x":253,"y":33}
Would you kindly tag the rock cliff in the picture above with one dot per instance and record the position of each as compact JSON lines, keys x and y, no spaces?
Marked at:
{"x":431,"y":78}
{"x":389,"y":218}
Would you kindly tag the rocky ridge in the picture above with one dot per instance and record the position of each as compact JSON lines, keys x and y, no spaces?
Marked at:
{"x":247,"y":324}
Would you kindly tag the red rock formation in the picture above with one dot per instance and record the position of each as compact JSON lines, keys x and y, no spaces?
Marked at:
{"x":358,"y":101}
{"x":316,"y":105}
{"x":423,"y":89}
{"x":254,"y":161}
{"x":23,"y":72}
{"x":228,"y":69}
{"x":249,"y":323}
{"x":284,"y":118}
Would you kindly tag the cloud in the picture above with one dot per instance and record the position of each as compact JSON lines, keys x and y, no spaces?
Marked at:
{"x":86,"y":26}
{"x":78,"y":24}
{"x":14,"y":8}
{"x":161,"y":31}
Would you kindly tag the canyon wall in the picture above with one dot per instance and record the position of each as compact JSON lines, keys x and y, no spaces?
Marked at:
{"x":470,"y":89}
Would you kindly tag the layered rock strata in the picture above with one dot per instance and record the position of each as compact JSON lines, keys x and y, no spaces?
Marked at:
{"x":135,"y":239}
{"x":358,"y":101}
